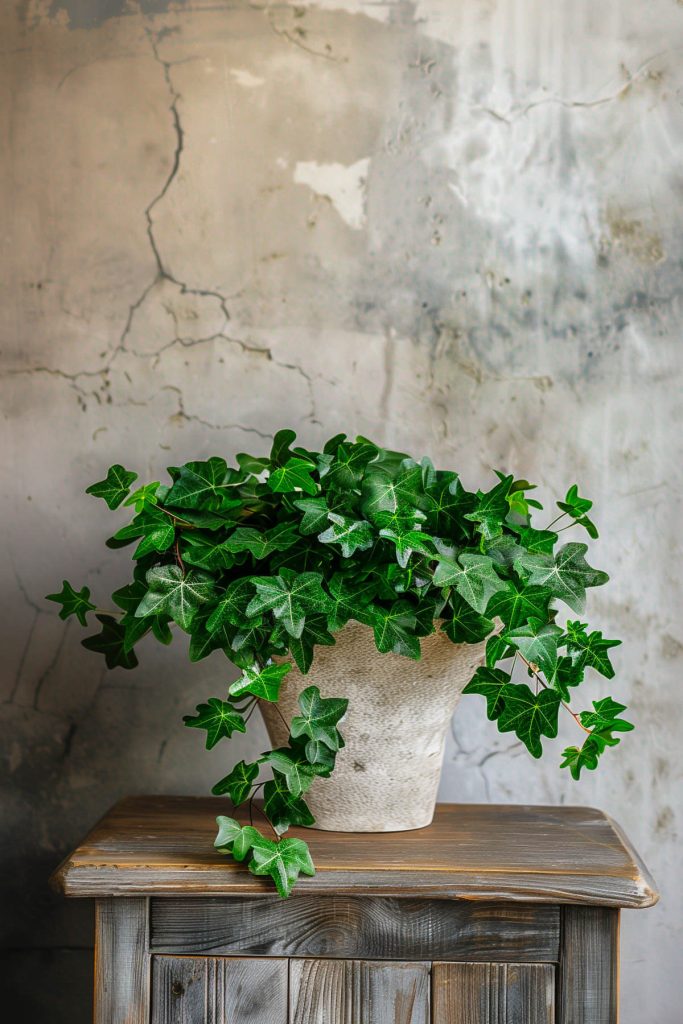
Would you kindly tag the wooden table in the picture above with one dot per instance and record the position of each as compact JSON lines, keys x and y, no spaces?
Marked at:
{"x":492,"y":915}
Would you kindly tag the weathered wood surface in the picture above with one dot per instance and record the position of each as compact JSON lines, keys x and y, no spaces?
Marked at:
{"x":121,"y":962}
{"x":210,"y":990}
{"x":589,"y":965}
{"x":358,"y":992}
{"x":164,"y":845}
{"x":494,"y":994}
{"x":372,"y":927}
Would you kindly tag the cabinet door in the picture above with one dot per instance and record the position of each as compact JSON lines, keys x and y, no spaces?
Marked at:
{"x":358,"y":992}
{"x":494,"y":993}
{"x":218,"y":990}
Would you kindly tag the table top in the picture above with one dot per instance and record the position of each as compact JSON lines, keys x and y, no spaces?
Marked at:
{"x":163,"y":845}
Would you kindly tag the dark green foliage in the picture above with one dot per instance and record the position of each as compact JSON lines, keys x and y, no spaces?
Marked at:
{"x":266,"y":560}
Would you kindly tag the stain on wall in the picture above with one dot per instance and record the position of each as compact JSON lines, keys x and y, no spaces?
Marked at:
{"x":453,"y":227}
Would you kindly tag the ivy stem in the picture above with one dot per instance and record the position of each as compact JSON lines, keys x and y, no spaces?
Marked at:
{"x":557,"y":519}
{"x":546,"y":687}
{"x":176,"y":519}
{"x":261,"y":812}
{"x":177,"y":555}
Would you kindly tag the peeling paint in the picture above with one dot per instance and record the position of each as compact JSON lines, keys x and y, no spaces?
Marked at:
{"x":343,"y":186}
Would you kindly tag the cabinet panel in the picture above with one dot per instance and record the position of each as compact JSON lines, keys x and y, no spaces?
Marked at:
{"x":217,"y":990}
{"x":358,"y":992}
{"x":494,"y":993}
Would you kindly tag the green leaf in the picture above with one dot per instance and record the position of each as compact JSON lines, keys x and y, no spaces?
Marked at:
{"x":519,"y":603}
{"x":236,"y":839}
{"x":491,"y":684}
{"x":295,"y":475}
{"x":115,"y":486}
{"x":252,"y":464}
{"x":201,"y":484}
{"x":232,"y":607}
{"x":218,"y":718}
{"x":529,"y":715}
{"x":315,"y":511}
{"x":262,"y":544}
{"x":178,"y":595}
{"x":491,"y":509}
{"x":394,"y":629}
{"x":446,"y":507}
{"x":294,"y":767}
{"x":73,"y":602}
{"x":350,"y":460}
{"x":497,"y":650}
{"x":238,"y":783}
{"x":314,"y":632}
{"x":473,"y":576}
{"x":537,"y":541}
{"x":283,"y":861}
{"x":406,"y":541}
{"x":111,"y":643}
{"x":319,"y":718}
{"x":145,"y":497}
{"x":281,"y":808}
{"x":537,"y":642}
{"x":590,"y":648}
{"x":281,"y":452}
{"x":350,"y":600}
{"x":577,"y":507}
{"x":352,"y":534}
{"x":155,"y":528}
{"x":566,"y":674}
{"x":605,"y":717}
{"x":462,"y":624}
{"x":203,"y":642}
{"x":384,"y":491}
{"x":264,"y":684}
{"x":290,"y":596}
{"x":566,"y":576}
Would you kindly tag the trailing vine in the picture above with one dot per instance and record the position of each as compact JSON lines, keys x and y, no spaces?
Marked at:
{"x":271,"y":557}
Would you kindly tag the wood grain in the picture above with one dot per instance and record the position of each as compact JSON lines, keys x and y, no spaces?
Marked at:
{"x":164,"y":845}
{"x":121,"y":962}
{"x":211,"y":990}
{"x":373,"y":927}
{"x":358,"y":992}
{"x":588,"y":990}
{"x":493,"y":994}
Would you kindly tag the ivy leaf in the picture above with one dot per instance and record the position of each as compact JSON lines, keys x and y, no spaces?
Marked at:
{"x":232,"y":607}
{"x":473,"y":576}
{"x":284,"y":861}
{"x":352,"y":534}
{"x":128,"y":598}
{"x":201,"y":484}
{"x":497,"y":649}
{"x":446,"y":506}
{"x":394,"y":629}
{"x":314,"y":632}
{"x":203,"y":550}
{"x":203,"y":642}
{"x":567,"y":575}
{"x":576,"y":507}
{"x":537,"y":641}
{"x":236,"y":839}
{"x":115,"y":486}
{"x":281,"y":450}
{"x":295,"y":769}
{"x":145,"y":497}
{"x":73,"y":602}
{"x":218,"y":718}
{"x":111,"y":643}
{"x":384,"y":491}
{"x":605,"y":717}
{"x":491,"y":509}
{"x":516,"y":498}
{"x":320,"y":755}
{"x":252,"y":464}
{"x":319,"y":718}
{"x":262,"y":544}
{"x":491,"y":684}
{"x":408,"y":541}
{"x":176,"y":594}
{"x":155,"y":528}
{"x":281,"y":808}
{"x":529,"y":715}
{"x":290,"y":596}
{"x":264,"y":684}
{"x":587,"y":756}
{"x":519,"y":603}
{"x":315,"y":512}
{"x":590,"y":648}
{"x":567,"y":673}
{"x":537,"y":541}
{"x":463,"y":625}
{"x":350,"y":600}
{"x":346,"y":471}
{"x":237,"y":783}
{"x":504,"y":550}
{"x":295,"y":475}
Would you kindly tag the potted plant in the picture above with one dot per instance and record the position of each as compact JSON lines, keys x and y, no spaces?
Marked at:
{"x":359,"y":585}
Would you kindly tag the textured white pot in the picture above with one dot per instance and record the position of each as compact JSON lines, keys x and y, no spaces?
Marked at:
{"x":387,"y":775}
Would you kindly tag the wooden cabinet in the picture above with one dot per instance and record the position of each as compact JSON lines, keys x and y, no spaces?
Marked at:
{"x":492,"y":915}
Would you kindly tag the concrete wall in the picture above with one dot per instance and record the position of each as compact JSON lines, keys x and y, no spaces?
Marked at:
{"x":453,"y":225}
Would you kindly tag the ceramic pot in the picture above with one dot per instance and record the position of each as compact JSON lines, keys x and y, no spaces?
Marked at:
{"x":387,"y":775}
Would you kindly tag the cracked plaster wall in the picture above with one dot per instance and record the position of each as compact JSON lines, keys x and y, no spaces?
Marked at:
{"x":454,"y":227}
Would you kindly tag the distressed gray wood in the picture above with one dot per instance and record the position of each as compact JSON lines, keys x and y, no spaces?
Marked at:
{"x":121,"y":962}
{"x":468,"y":993}
{"x":358,"y":992}
{"x":164,"y":845}
{"x":214,"y":990}
{"x":370,"y":927}
{"x":589,"y":964}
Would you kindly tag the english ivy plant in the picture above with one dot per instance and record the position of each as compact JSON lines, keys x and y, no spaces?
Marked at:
{"x":269,"y":558}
